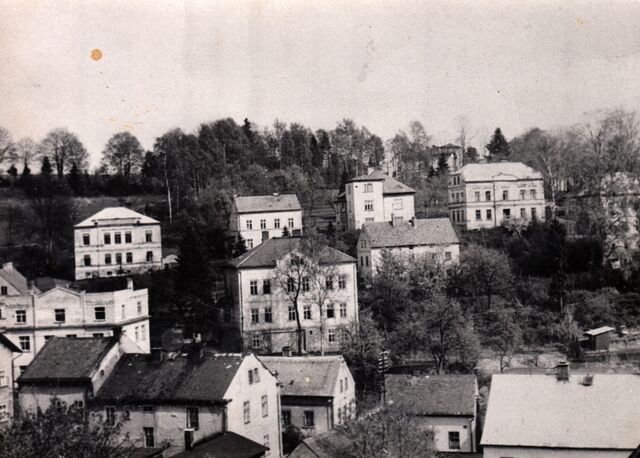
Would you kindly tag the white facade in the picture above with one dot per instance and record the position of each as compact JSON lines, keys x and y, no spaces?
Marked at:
{"x":374,"y":198}
{"x":116,"y":241}
{"x":370,"y":259}
{"x":488,"y":195}
{"x":30,"y":320}
{"x":259,"y":218}
{"x":550,"y":452}
{"x":267,"y":323}
{"x":7,"y":352}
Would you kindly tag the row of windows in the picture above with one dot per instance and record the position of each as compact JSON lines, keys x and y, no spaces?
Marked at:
{"x":117,"y":238}
{"x":506,"y":213}
{"x":276,"y":223}
{"x":459,"y":196}
{"x":246,"y":407}
{"x":306,"y":313}
{"x":140,"y":334}
{"x":108,"y":259}
{"x":334,"y":335}
{"x":60,"y":315}
{"x":292,"y":285}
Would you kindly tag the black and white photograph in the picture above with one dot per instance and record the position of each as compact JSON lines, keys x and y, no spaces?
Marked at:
{"x":319,"y":229}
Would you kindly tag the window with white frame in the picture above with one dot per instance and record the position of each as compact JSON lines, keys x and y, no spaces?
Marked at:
{"x":107,"y":239}
{"x":276,"y":223}
{"x":305,"y":284}
{"x":343,"y":310}
{"x":255,"y":316}
{"x":532,"y":194}
{"x":331,"y":310}
{"x":268,"y":315}
{"x":25,"y":343}
{"x":253,"y":287}
{"x":265,"y":406}
{"x":534,"y":213}
{"x":368,"y":187}
{"x":59,"y":315}
{"x":477,"y":196}
{"x":265,"y":442}
{"x":21,"y":316}
{"x":292,"y":313}
{"x":398,"y":204}
{"x":368,"y":205}
{"x":193,"y":417}
{"x":290,"y":222}
{"x":87,"y":260}
{"x":149,"y":437}
{"x":107,"y":258}
{"x":263,"y":224}
{"x":308,"y":419}
{"x":249,"y":243}
{"x":4,"y":413}
{"x":342,"y":281}
{"x":478,"y":215}
{"x":331,"y":334}
{"x":99,"y":313}
{"x":249,"y":224}
{"x":306,"y":313}
{"x":454,"y":440}
{"x":3,"y":379}
{"x":86,"y":239}
{"x":256,"y":341}
{"x":246,"y":407}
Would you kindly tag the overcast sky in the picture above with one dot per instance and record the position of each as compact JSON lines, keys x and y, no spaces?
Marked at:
{"x":176,"y":64}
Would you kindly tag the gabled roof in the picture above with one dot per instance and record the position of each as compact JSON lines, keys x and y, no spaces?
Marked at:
{"x":497,"y":171}
{"x":137,"y":377}
{"x":114,"y":214}
{"x":436,"y":231}
{"x":268,"y":203}
{"x":268,"y":252}
{"x":4,"y":340}
{"x":390,"y":185}
{"x":225,"y":445}
{"x":540,"y":411}
{"x":14,"y":278}
{"x":451,"y":395}
{"x":67,"y":360}
{"x":305,"y":375}
{"x":600,"y":330}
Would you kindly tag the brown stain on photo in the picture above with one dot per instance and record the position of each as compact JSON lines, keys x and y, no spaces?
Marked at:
{"x":96,"y":54}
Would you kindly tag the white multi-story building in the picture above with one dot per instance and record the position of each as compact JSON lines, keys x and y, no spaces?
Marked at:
{"x":416,"y":237}
{"x":490,"y":194}
{"x":116,"y":241}
{"x":373,"y":198}
{"x":259,"y":218}
{"x":29,"y":317}
{"x":262,"y":310}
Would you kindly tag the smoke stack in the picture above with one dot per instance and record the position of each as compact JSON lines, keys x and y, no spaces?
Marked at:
{"x":286,"y":351}
{"x":188,"y":439}
{"x":562,"y":371}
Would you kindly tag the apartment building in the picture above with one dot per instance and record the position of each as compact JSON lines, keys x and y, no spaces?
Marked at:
{"x":29,"y":317}
{"x":260,"y":283}
{"x":116,"y":241}
{"x":8,"y":351}
{"x":487,"y":195}
{"x":434,"y":237}
{"x":259,"y":218}
{"x":372,"y":198}
{"x":318,"y":392}
{"x":186,"y":399}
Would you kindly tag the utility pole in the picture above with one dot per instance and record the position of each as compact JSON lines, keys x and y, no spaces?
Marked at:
{"x":383,"y":367}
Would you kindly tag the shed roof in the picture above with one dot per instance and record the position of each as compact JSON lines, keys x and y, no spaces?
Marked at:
{"x":272,"y":250}
{"x":436,"y":231}
{"x":4,"y":340}
{"x":498,"y":171}
{"x":305,"y":375}
{"x":115,"y":214}
{"x":452,"y":395}
{"x":600,"y":330}
{"x":137,"y":377}
{"x":326,"y":445}
{"x":540,"y":411}
{"x":268,"y":203}
{"x":65,"y":359}
{"x":225,"y":445}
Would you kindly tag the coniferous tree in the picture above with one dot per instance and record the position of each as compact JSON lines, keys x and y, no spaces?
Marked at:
{"x":240,"y":247}
{"x":285,"y":232}
{"x":13,"y":173}
{"x":498,"y":147}
{"x":46,"y":168}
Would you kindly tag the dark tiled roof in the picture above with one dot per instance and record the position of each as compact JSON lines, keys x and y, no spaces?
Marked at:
{"x":138,"y":377}
{"x":64,"y":359}
{"x":4,"y":340}
{"x":436,"y":231}
{"x":270,"y":203}
{"x":14,"y":278}
{"x":390,"y":185}
{"x":305,"y":375}
{"x":225,"y":445}
{"x":433,"y":394}
{"x":268,"y":252}
{"x":326,"y":445}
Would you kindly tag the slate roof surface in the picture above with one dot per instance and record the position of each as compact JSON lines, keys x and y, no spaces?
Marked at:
{"x":435,"y":231}
{"x":4,"y":340}
{"x":505,"y":170}
{"x":390,"y":185}
{"x":268,"y":203}
{"x":540,"y":411}
{"x":268,"y":252}
{"x":326,"y":445}
{"x":453,"y":395}
{"x":115,"y":213}
{"x":15,"y":279}
{"x":137,"y":377}
{"x":225,"y":445}
{"x":67,"y":359}
{"x":305,"y":375}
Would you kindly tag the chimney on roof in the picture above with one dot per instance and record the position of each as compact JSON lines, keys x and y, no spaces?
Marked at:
{"x":188,"y":438}
{"x":562,"y":371}
{"x":117,"y":333}
{"x":286,"y":351}
{"x":129,"y":283}
{"x":8,"y":266}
